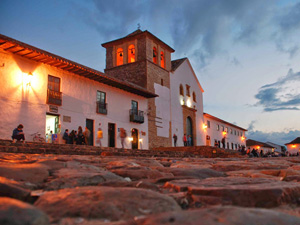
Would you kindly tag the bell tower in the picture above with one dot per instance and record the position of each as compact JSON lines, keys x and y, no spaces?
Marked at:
{"x":143,"y":59}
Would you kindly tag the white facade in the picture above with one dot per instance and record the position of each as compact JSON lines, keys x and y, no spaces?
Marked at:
{"x":25,"y":103}
{"x":216,"y":129}
{"x":184,"y":75}
{"x":293,"y":149}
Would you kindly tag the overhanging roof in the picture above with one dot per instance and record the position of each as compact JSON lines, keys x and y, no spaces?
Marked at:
{"x":296,"y":141}
{"x":222,"y":121}
{"x":38,"y":55}
{"x":135,"y":35}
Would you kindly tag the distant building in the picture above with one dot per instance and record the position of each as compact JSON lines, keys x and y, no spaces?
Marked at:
{"x":277,"y":148}
{"x":141,"y":90}
{"x":257,"y":145}
{"x":293,"y":147}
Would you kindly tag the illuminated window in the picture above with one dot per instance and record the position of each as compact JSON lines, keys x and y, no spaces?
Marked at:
{"x":181,"y":90}
{"x":131,"y":54}
{"x":194,"y":97}
{"x":120,"y":56}
{"x":162,"y":59}
{"x":154,"y":55}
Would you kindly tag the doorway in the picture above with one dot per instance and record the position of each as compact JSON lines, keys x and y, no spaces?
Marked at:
{"x":52,"y":126}
{"x":189,"y":130}
{"x":135,"y":138}
{"x":90,"y":125}
{"x":111,"y":135}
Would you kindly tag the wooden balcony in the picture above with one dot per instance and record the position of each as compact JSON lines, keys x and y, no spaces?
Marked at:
{"x":101,"y":108}
{"x":136,"y":116}
{"x":54,"y":97}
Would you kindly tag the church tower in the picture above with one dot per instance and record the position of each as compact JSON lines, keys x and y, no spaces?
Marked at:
{"x":143,"y":59}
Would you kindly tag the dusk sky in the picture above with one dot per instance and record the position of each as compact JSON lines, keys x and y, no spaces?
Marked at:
{"x":246,"y":53}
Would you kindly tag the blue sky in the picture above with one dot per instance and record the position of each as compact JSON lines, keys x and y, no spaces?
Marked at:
{"x":246,"y":54}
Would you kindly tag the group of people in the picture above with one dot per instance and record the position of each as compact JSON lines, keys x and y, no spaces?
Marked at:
{"x":78,"y":137}
{"x":187,"y":140}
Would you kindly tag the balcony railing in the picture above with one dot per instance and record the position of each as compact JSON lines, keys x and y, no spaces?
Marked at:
{"x":101,"y":108}
{"x":136,"y":116}
{"x":54,"y":97}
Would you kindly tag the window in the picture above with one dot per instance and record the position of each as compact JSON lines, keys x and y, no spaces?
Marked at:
{"x":226,"y":129}
{"x":194,"y":97}
{"x":131,"y":54}
{"x":208,"y":123}
{"x":218,"y":127}
{"x":188,"y":90}
{"x":162,"y":82}
{"x":162,"y":59}
{"x":134,"y":107}
{"x":101,"y":102}
{"x":181,"y":90}
{"x":223,"y":128}
{"x":54,"y":96}
{"x":154,"y":55}
{"x":120,"y":56}
{"x":230,"y":130}
{"x":232,"y":147}
{"x":135,"y":114}
{"x":234,"y":132}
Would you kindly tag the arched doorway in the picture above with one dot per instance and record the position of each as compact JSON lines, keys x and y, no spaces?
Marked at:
{"x":189,"y":130}
{"x":135,"y":138}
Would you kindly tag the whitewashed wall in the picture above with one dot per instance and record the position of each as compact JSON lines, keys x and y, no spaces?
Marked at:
{"x":218,"y":134}
{"x":184,"y":75}
{"x":25,"y":104}
{"x":293,"y":149}
{"x":162,"y":104}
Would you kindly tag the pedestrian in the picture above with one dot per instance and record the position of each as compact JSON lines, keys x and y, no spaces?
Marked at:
{"x":216,"y":143}
{"x":80,"y":137}
{"x":223,"y":142}
{"x":190,"y":140}
{"x":71,"y":137}
{"x":66,"y":136}
{"x":175,"y":140}
{"x":184,"y":140}
{"x":99,"y":136}
{"x":261,"y":153}
{"x":123,"y":135}
{"x":18,"y":134}
{"x":87,"y":134}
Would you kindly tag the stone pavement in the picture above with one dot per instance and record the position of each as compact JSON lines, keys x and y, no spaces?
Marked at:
{"x":155,"y":187}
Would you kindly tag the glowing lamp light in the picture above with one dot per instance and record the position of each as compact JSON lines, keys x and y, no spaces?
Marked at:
{"x":204,"y":126}
{"x":293,"y":146}
{"x":29,"y":78}
{"x":224,"y":133}
{"x":188,"y":103}
{"x":140,"y":140}
{"x":243,"y":138}
{"x":182,"y":102}
{"x":258,"y":147}
{"x":130,"y":138}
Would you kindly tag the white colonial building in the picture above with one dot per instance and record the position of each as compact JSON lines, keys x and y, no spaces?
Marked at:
{"x":142,"y":90}
{"x":46,"y":93}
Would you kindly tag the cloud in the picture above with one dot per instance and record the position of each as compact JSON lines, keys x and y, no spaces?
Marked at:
{"x":200,"y":29}
{"x":275,"y":137}
{"x":284,"y":94}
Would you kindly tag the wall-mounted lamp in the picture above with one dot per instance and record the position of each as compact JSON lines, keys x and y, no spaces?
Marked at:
{"x":130,"y":138}
{"x":204,"y":126}
{"x":293,"y":146}
{"x":224,"y":133}
{"x":140,"y":140}
{"x":29,"y":78}
{"x":243,"y":138}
